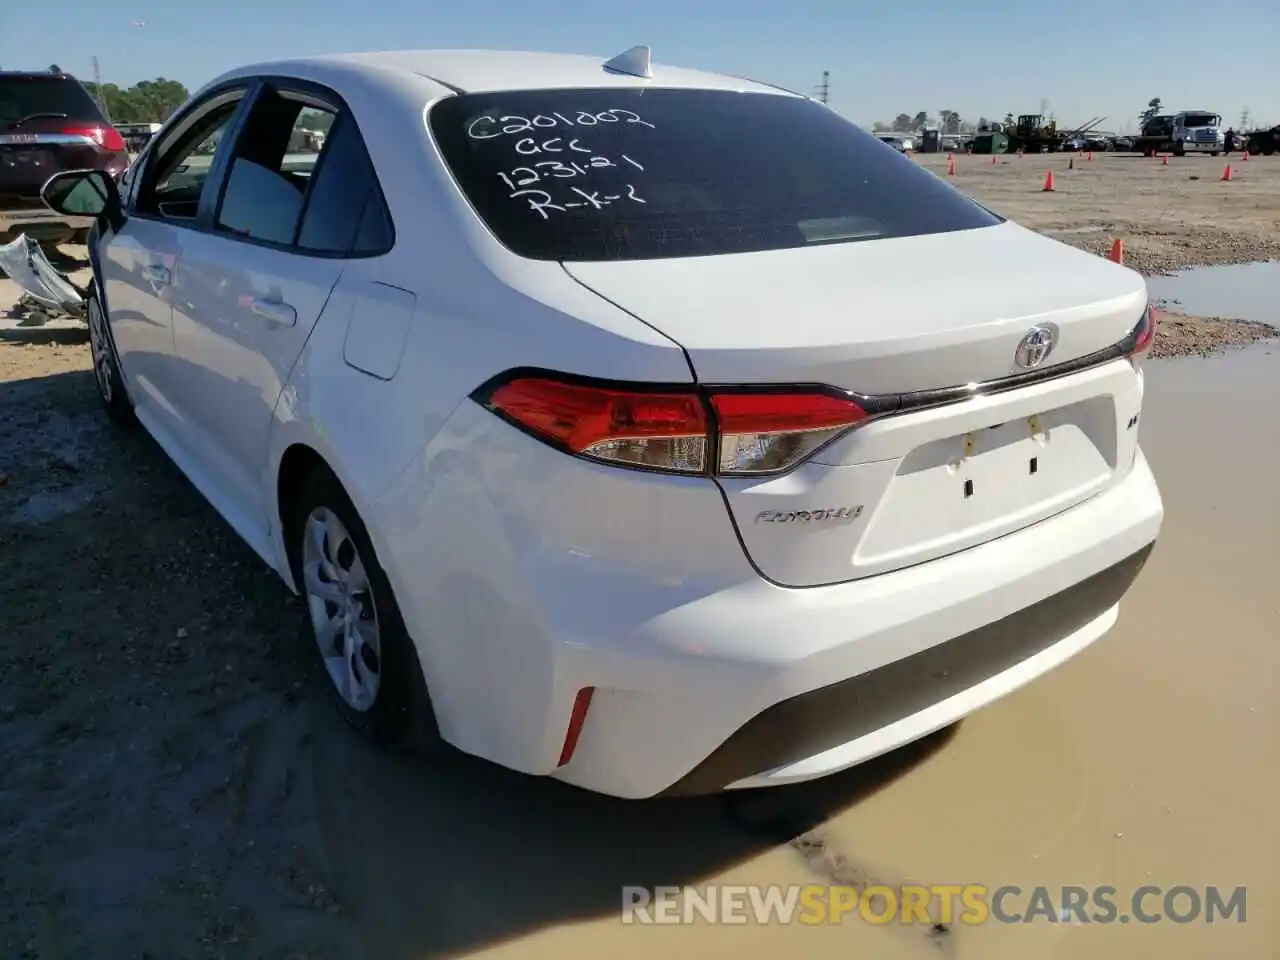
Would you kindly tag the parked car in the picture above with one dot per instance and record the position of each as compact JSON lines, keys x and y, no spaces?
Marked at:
{"x":598,"y":422}
{"x":48,"y":123}
{"x":899,"y":143}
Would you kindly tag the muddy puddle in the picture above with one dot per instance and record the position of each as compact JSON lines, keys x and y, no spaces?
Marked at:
{"x":1241,"y":291}
{"x":1150,"y":759}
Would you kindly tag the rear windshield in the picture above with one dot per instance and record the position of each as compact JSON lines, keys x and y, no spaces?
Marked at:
{"x":584,"y":175}
{"x":27,"y":96}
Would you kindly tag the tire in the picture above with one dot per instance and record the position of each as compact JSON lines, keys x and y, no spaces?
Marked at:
{"x":106,"y":365}
{"x":1179,"y":150}
{"x":385,"y":698}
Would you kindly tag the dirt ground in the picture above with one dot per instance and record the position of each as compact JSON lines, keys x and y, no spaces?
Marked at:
{"x":1169,"y":217}
{"x":175,"y":785}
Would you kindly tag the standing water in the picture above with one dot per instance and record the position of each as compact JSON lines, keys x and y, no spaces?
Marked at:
{"x":1241,"y":291}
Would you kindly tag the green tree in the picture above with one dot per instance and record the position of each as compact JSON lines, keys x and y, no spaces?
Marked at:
{"x":148,"y":101}
{"x":901,"y":123}
{"x":1152,"y":111}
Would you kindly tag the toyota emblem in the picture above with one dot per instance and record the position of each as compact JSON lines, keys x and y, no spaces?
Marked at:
{"x":1035,"y":347}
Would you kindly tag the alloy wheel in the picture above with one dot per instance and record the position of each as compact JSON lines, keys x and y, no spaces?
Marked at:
{"x":100,"y":350}
{"x":340,"y":603}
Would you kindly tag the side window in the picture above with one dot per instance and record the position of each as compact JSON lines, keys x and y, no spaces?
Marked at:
{"x":345,"y":211}
{"x":270,"y":169}
{"x":174,"y":174}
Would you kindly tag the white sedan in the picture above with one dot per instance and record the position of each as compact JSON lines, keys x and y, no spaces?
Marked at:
{"x":594,"y":410}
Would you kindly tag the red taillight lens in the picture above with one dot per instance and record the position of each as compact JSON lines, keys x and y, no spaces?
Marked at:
{"x":1144,"y":334}
{"x":663,"y":431}
{"x":759,"y":431}
{"x":106,"y":137}
{"x":766,"y":432}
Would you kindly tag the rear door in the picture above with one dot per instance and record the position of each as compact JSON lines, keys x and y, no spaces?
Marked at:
{"x":252,"y":285}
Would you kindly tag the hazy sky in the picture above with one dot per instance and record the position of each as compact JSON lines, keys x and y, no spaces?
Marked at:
{"x":1086,"y":58}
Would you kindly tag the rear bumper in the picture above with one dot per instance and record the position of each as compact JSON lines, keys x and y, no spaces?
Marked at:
{"x":41,"y":224}
{"x":847,"y":722}
{"x":523,"y":587}
{"x":829,"y":677}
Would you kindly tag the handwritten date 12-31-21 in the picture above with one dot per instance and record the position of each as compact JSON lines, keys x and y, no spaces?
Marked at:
{"x":520,"y":177}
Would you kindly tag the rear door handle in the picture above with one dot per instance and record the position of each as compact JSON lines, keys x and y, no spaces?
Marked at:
{"x":274,"y":311}
{"x":158,"y":272}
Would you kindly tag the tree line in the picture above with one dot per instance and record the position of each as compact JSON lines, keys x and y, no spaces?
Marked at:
{"x":948,"y":122}
{"x":148,"y":101}
{"x":154,"y":101}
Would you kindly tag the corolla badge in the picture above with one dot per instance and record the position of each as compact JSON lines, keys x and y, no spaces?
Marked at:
{"x":1035,"y":347}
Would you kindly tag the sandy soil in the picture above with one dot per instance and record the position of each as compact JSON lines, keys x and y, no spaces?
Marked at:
{"x":175,"y":785}
{"x":1168,"y":218}
{"x":1180,"y":215}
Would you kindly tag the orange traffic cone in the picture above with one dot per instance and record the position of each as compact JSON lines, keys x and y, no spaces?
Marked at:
{"x":1048,"y":183}
{"x":951,"y":165}
{"x":994,"y":159}
{"x":1246,"y":156}
{"x":1226,"y":172}
{"x":1090,"y":156}
{"x":1117,"y":251}
{"x":1164,"y":161}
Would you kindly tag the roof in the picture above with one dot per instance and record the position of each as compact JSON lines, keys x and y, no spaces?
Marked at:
{"x":485,"y":71}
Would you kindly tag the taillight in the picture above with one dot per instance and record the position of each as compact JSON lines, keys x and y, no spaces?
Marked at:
{"x":1143,"y":335}
{"x":766,"y":432}
{"x":106,"y":137}
{"x":729,"y":432}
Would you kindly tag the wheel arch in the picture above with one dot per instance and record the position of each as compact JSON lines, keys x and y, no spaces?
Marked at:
{"x":297,"y":458}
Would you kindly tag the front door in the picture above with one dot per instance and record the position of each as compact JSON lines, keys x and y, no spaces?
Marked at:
{"x":139,"y":262}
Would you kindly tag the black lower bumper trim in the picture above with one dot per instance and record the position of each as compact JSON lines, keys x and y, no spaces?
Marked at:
{"x":821,"y":719}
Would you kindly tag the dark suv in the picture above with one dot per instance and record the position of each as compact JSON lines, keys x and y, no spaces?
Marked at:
{"x":49,"y":123}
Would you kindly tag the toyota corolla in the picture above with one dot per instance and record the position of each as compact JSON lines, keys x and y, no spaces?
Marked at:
{"x":653,"y":430}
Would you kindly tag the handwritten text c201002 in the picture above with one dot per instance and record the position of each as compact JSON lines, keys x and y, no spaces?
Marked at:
{"x":490,"y":127}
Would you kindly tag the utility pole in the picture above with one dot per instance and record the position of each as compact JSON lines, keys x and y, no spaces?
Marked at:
{"x":825,"y":88}
{"x":97,"y":85}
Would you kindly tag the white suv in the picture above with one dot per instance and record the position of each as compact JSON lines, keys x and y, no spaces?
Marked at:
{"x":593,"y":409}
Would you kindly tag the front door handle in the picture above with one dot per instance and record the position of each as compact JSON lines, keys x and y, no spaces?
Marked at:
{"x":158,"y":273}
{"x":274,"y":311}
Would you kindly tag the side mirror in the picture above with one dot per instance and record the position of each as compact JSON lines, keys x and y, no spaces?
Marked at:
{"x":84,"y":193}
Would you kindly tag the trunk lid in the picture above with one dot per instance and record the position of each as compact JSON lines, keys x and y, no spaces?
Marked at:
{"x":884,"y":316}
{"x":897,"y":316}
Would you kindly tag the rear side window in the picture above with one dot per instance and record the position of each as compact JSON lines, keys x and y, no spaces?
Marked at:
{"x":345,"y":185}
{"x":583,"y":175}
{"x":45,"y":96}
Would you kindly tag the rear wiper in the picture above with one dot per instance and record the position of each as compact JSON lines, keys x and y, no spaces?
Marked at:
{"x":35,"y":116}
